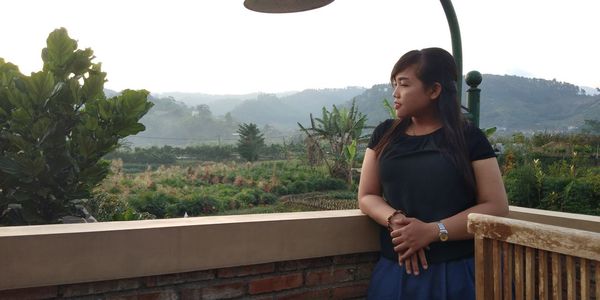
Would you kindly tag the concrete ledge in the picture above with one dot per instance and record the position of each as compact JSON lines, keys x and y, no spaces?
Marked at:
{"x":556,"y":218}
{"x":50,"y":255}
{"x":33,"y":256}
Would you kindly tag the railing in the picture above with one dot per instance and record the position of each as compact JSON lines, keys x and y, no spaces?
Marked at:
{"x":119,"y":259}
{"x":516,"y":259}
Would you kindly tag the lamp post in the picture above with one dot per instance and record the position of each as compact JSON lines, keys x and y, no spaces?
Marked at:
{"x":289,"y":6}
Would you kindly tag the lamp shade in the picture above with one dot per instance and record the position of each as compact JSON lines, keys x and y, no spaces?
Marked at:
{"x":284,"y":6}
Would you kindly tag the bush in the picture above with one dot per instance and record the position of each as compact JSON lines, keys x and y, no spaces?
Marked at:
{"x":521,"y":187}
{"x":255,"y":196}
{"x":194,"y":205}
{"x":155,"y":203}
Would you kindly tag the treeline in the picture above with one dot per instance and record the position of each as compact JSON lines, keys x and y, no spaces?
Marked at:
{"x":215,"y":153}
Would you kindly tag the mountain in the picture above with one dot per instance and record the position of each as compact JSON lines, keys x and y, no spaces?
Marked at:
{"x":511,"y":103}
{"x":219,"y":104}
{"x":285,"y":112}
{"x":175,"y":122}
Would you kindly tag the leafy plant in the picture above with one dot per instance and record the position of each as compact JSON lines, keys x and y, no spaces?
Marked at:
{"x":56,"y":125}
{"x":333,"y":134}
{"x":390,"y":109}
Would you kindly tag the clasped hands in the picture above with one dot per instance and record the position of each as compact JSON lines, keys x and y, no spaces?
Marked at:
{"x":411,"y":237}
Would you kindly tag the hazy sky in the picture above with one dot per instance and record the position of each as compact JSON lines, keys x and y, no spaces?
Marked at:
{"x":217,"y":46}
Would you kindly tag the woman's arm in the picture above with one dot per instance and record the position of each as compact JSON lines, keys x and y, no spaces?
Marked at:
{"x":370,"y":201}
{"x":491,"y":199}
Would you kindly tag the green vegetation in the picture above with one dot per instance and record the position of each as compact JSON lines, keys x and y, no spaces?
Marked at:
{"x":204,"y":189}
{"x":56,"y":125}
{"x":553,"y":171}
{"x":251,"y":141}
{"x":333,"y":139}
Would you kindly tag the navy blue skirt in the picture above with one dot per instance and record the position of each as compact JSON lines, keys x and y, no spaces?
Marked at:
{"x":444,"y":281}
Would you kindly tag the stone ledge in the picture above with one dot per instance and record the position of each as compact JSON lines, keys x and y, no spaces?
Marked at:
{"x":49,"y":255}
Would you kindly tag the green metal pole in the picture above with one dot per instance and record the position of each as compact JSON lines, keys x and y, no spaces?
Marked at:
{"x":456,"y":43}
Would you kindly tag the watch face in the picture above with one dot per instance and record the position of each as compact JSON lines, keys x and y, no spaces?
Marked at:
{"x":443,"y":236}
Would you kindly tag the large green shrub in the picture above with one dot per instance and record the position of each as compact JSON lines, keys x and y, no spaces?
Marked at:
{"x":55,"y":125}
{"x":521,"y":188}
{"x":155,"y":203}
{"x":194,"y":205}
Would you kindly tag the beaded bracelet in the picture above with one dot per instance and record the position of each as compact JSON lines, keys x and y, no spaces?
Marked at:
{"x":389,"y":219}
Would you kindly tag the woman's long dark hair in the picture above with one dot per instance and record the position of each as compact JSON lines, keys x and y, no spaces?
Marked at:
{"x":436,"y":65}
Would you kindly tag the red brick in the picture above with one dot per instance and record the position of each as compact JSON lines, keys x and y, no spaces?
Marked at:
{"x":129,"y":284}
{"x":99,"y":287}
{"x":355,"y":258}
{"x":345,"y":259}
{"x":275,"y":283}
{"x":304,"y":263}
{"x":92,"y":288}
{"x":313,"y":295}
{"x":328,"y":276}
{"x":246,"y":270}
{"x":30,"y":293}
{"x":224,"y":291}
{"x":158,"y":295}
{"x":191,"y":294}
{"x":177,"y":278}
{"x":364,"y":271}
{"x":351,"y":291}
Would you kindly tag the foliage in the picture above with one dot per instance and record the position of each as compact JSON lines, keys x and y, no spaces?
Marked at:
{"x":174,"y":123}
{"x":334,"y":134}
{"x":591,"y":127}
{"x":55,"y":125}
{"x":569,"y":184}
{"x":251,"y":141}
{"x":204,"y":189}
{"x":390,"y":109}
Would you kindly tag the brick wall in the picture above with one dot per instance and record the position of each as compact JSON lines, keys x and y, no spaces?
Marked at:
{"x":334,"y":277}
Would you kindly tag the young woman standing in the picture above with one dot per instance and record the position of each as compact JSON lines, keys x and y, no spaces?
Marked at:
{"x":422,"y":174}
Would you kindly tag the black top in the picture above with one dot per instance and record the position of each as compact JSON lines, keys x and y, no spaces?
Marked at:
{"x":416,"y":177}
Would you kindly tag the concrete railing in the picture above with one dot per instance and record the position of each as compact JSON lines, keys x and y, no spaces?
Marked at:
{"x":51,"y":256}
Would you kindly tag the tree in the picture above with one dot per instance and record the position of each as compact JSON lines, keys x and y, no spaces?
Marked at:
{"x":336,"y":135}
{"x":251,"y":141}
{"x":55,"y":126}
{"x":591,"y":127}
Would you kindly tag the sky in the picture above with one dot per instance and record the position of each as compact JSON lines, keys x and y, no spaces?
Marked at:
{"x":219,"y":47}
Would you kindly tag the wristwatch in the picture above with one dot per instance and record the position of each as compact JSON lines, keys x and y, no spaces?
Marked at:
{"x":443,"y":234}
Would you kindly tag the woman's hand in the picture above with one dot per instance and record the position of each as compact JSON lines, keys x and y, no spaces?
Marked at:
{"x":412,"y":263}
{"x":414,"y":235}
{"x":398,"y":221}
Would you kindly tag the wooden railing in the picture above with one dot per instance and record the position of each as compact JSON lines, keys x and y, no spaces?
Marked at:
{"x":517,"y":259}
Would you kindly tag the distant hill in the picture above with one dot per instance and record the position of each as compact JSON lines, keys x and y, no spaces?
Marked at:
{"x":285,"y":112}
{"x":219,"y":104}
{"x":171,"y":122}
{"x":511,"y":103}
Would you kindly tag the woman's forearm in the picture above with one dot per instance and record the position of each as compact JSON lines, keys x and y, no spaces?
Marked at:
{"x":457,"y":224}
{"x":375,"y":207}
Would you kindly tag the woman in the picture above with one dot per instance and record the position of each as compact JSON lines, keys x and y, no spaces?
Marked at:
{"x":422,"y":174}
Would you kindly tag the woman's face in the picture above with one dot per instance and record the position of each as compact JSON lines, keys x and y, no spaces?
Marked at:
{"x":411,"y":98}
